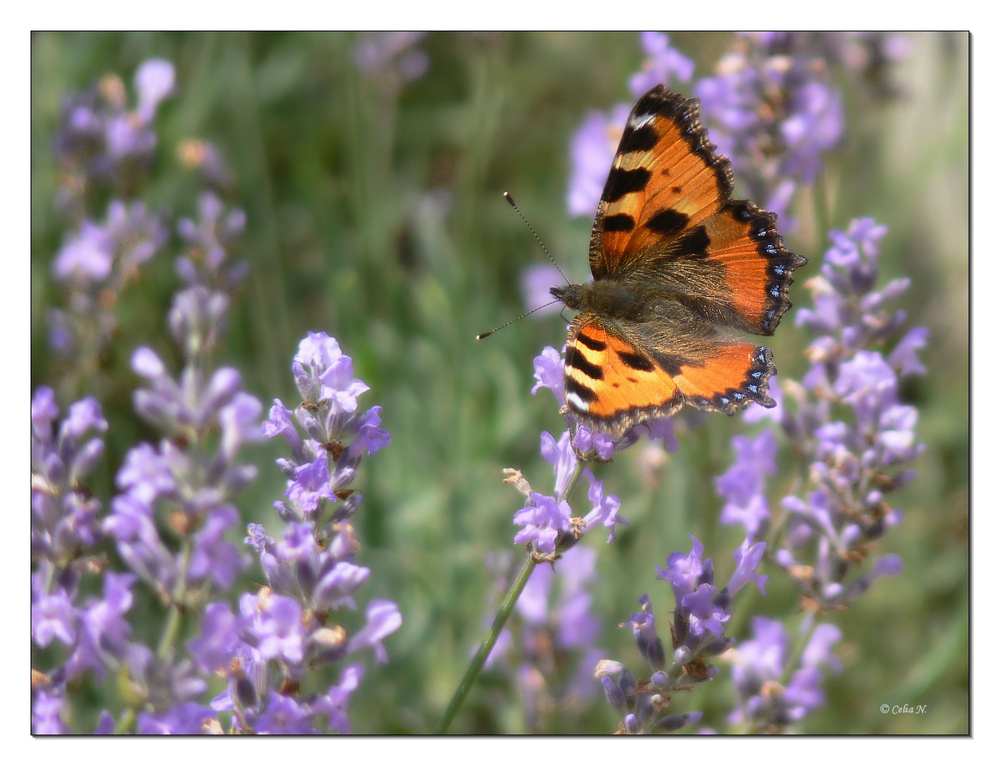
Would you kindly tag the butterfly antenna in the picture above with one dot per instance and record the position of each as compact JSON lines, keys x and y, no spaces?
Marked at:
{"x":537,"y":238}
{"x":505,"y":324}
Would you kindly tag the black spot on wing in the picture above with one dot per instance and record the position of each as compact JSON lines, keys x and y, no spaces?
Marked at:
{"x":622,"y":182}
{"x":578,"y":362}
{"x":667,"y":222}
{"x":636,"y":361}
{"x":619,"y":222}
{"x":638,"y":139}
{"x":592,"y":343}
{"x":694,"y":243}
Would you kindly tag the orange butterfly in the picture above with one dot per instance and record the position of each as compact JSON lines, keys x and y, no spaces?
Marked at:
{"x":678,"y":267}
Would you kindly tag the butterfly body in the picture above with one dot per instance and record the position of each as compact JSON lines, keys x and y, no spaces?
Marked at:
{"x":680,"y":272}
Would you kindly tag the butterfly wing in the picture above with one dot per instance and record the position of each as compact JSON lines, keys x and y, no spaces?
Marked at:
{"x":677,"y":266}
{"x":615,"y":378}
{"x":665,"y":219}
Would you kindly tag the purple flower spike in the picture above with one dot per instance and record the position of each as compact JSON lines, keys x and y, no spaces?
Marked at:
{"x":549,"y":374}
{"x":663,"y":64}
{"x":275,"y":625}
{"x":744,"y":485}
{"x":560,"y":454}
{"x":544,"y":519}
{"x":383,"y":619}
{"x":606,"y":507}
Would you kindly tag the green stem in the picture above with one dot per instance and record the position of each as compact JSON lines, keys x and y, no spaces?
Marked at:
{"x":822,"y":208}
{"x":126,"y":722}
{"x":171,"y":629}
{"x":513,"y":593}
{"x":798,"y":649}
{"x":509,"y":600}
{"x":172,"y":626}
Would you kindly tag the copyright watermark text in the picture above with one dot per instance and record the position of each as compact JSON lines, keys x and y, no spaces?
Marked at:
{"x":900,"y":709}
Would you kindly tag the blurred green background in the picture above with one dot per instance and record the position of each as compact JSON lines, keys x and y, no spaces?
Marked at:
{"x":374,"y":213}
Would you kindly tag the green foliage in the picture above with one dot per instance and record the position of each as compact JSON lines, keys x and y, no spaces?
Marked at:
{"x":377,"y":216}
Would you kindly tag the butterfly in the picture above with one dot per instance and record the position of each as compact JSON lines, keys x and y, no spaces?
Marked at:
{"x":680,"y":271}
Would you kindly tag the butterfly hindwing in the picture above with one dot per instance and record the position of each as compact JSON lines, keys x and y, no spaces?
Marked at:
{"x":614,"y":382}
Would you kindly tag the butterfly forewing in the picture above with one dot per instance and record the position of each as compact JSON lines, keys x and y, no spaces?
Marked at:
{"x":673,"y":259}
{"x":665,"y":179}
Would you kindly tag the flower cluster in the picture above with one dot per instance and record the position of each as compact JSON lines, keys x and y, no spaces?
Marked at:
{"x":168,"y":525}
{"x":318,"y":490}
{"x":93,"y":266}
{"x":172,"y":519}
{"x":63,"y":511}
{"x":187,"y":479}
{"x":697,"y":635}
{"x":282,"y":632}
{"x":65,"y":529}
{"x":547,"y":521}
{"x":773,"y":110}
{"x":771,"y":694}
{"x":849,"y":423}
{"x":851,"y":429}
{"x":103,"y":143}
{"x":209,"y":243}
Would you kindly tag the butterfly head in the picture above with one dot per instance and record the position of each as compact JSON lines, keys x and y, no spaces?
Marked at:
{"x":610,"y":298}
{"x":571,"y":295}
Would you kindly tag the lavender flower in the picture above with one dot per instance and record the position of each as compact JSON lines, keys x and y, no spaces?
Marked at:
{"x":103,"y":143}
{"x":282,"y":633}
{"x":184,"y":483}
{"x":547,"y":519}
{"x":701,"y":607}
{"x":94,"y":265}
{"x":773,"y":110}
{"x":317,"y":489}
{"x":854,"y":460}
{"x":766,"y":702}
{"x":209,"y":243}
{"x":697,"y":635}
{"x":64,"y":518}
